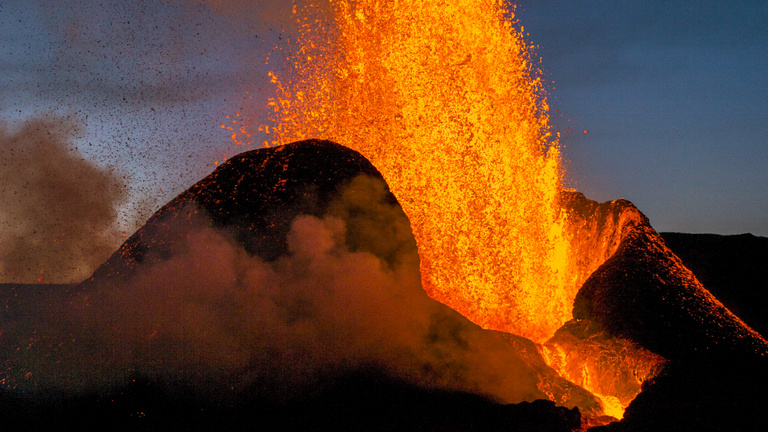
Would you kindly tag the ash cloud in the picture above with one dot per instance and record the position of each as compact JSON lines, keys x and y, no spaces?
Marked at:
{"x":58,"y":219}
{"x":222,"y":320}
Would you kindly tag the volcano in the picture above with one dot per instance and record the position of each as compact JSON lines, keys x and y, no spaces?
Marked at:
{"x":282,"y":292}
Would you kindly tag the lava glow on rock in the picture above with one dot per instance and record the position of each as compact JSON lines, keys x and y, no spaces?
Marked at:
{"x":445,"y":101}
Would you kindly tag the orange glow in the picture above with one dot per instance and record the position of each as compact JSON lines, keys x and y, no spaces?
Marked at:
{"x":612,"y":369}
{"x":444,"y":100}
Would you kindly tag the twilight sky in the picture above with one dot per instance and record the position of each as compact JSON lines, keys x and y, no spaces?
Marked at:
{"x":674,"y":94}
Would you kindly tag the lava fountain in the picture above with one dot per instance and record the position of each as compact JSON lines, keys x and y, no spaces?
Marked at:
{"x":444,"y":100}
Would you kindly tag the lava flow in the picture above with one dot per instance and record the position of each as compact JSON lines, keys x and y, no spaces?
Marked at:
{"x":445,"y":101}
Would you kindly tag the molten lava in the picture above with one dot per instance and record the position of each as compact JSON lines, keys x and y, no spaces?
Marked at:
{"x":444,"y":100}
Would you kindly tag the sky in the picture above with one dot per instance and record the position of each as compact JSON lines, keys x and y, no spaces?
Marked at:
{"x":674,"y":95}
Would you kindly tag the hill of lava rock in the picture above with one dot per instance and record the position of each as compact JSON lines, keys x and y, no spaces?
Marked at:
{"x":182,"y":326}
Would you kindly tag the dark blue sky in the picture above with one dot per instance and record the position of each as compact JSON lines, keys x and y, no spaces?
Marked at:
{"x":674,"y":94}
{"x":675,"y":97}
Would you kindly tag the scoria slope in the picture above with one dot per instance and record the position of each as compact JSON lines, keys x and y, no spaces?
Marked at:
{"x":283,"y":292}
{"x":286,"y":282}
{"x":258,"y":193}
{"x":713,"y":375}
{"x":644,"y":292}
{"x":732,"y":267}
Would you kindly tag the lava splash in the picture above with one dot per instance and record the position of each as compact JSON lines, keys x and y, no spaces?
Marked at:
{"x":445,"y":102}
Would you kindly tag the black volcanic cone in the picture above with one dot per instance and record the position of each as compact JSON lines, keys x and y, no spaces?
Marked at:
{"x":717,"y":366}
{"x":732,"y":267}
{"x":643,"y":292}
{"x":425,"y":368}
{"x":258,"y":193}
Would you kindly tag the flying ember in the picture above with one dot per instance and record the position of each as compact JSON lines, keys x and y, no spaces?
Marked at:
{"x":445,"y":101}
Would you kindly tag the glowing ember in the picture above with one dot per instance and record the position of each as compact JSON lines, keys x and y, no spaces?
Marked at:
{"x":444,"y":101}
{"x":612,"y":369}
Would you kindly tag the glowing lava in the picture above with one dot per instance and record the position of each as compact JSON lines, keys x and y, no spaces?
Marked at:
{"x":443,"y":99}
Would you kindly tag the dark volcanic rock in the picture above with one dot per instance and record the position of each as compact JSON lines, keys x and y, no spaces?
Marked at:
{"x":700,"y":397}
{"x":359,"y":402}
{"x":264,"y":347}
{"x":644,"y":293}
{"x":258,"y":193}
{"x":441,"y":373}
{"x":610,"y":365}
{"x":715,"y":374}
{"x":732,"y":267}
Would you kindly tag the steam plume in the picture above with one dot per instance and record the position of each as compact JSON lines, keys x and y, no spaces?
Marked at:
{"x":58,"y":217}
{"x":219,"y":318}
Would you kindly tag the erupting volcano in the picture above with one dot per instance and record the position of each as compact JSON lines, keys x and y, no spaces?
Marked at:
{"x":443,"y":99}
{"x":446,"y":102}
{"x":402,"y":255}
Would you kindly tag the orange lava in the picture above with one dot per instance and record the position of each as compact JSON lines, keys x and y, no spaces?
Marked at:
{"x":444,"y":101}
{"x":443,"y":98}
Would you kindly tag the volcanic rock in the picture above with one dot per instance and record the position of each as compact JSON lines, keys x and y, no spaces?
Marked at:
{"x":610,"y":366}
{"x":644,"y":293}
{"x":732,"y":267}
{"x":257,"y":193}
{"x":282,"y":292}
{"x":714,"y":375}
{"x":286,"y":225}
{"x":359,"y":402}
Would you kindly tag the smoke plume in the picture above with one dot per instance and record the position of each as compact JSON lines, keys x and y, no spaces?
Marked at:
{"x":58,"y":217}
{"x":221,"y":319}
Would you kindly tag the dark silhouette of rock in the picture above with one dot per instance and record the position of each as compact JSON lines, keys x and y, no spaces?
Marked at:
{"x":699,"y":397}
{"x":732,"y":267}
{"x":458,"y":378}
{"x":644,"y":293}
{"x":370,"y":401}
{"x":715,"y":374}
{"x":635,"y":289}
{"x":258,"y":193}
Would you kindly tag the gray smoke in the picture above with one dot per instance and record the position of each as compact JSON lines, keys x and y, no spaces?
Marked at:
{"x":58,"y":218}
{"x":219,"y":318}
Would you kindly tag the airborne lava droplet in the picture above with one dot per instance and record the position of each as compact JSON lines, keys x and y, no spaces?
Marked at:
{"x":453,"y":114}
{"x":445,"y":101}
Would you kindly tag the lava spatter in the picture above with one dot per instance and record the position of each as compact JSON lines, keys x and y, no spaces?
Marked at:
{"x":445,"y":102}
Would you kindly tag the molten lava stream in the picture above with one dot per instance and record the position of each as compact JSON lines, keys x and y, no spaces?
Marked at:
{"x":444,"y":100}
{"x":612,"y":369}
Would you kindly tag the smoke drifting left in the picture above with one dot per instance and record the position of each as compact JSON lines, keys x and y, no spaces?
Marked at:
{"x":58,"y":219}
{"x":199,"y":309}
